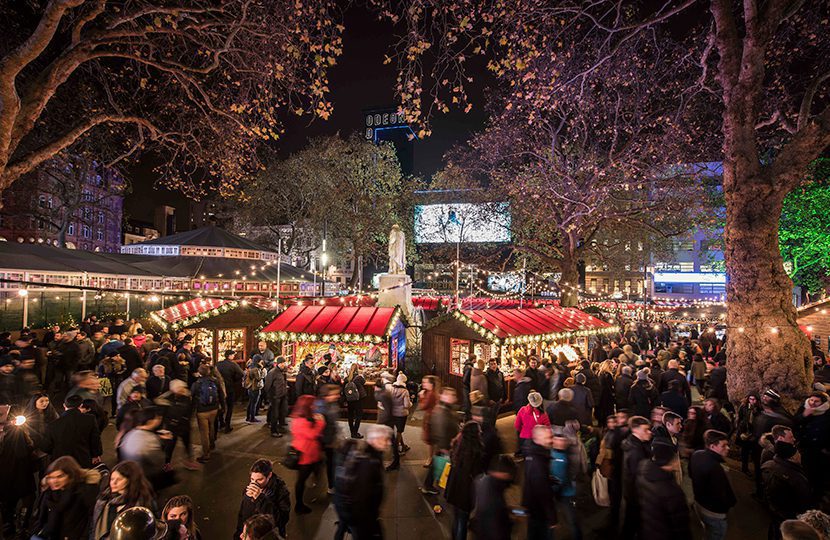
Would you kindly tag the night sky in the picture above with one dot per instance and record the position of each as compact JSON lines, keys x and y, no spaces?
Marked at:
{"x":358,"y":81}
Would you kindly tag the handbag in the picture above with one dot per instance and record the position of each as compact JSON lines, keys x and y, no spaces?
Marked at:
{"x":441,"y":469}
{"x":599,"y":488}
{"x":291,"y":459}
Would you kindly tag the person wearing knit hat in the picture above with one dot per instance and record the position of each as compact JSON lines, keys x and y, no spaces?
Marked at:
{"x":664,"y":512}
{"x":786,"y":487}
{"x":583,"y":400}
{"x":401,"y":404}
{"x":771,"y":396}
{"x":813,"y":421}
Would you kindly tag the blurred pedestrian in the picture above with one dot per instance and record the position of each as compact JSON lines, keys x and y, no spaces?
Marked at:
{"x":306,"y":428}
{"x":67,"y":500}
{"x":492,"y":520}
{"x":537,"y":494}
{"x":712,"y":489}
{"x":466,"y":464}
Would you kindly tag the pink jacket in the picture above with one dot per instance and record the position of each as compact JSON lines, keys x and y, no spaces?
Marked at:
{"x":527,"y":418}
{"x":307,"y":439}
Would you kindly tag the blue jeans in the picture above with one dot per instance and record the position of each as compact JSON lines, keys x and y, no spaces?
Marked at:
{"x":714,"y":528}
{"x":459,"y":524}
{"x":253,"y":401}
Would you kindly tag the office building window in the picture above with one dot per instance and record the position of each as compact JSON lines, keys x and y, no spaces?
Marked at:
{"x":712,"y":288}
{"x":70,"y":230}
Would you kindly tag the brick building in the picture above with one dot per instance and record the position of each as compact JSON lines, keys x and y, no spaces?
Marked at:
{"x":70,"y":201}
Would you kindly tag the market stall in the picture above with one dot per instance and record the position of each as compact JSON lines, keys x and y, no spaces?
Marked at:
{"x":218,"y":324}
{"x":511,"y":335}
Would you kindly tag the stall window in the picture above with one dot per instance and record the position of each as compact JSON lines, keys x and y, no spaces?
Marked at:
{"x":482,"y":351}
{"x":459,"y":351}
{"x":288,"y":351}
{"x":233,"y":339}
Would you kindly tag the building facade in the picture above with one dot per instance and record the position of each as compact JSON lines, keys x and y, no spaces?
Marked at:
{"x":71,"y":202}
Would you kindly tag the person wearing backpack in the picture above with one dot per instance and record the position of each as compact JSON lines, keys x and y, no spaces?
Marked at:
{"x":354,"y":391}
{"x":206,"y":401}
{"x":252,"y":382}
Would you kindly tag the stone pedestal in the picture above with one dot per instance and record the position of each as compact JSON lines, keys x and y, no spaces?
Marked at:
{"x":396,"y":290}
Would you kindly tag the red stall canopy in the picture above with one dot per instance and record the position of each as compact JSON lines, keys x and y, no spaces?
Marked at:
{"x":187,"y":313}
{"x":332,"y":323}
{"x":510,"y":326}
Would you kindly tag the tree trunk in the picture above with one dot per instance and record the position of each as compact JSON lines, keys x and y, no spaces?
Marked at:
{"x":569,"y":282}
{"x":355,"y":272}
{"x":766,"y":349}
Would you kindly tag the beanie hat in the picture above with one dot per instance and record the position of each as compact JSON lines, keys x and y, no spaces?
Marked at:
{"x":321,"y":370}
{"x":662,"y":453}
{"x":535,"y":399}
{"x":401,"y":380}
{"x":785,"y":450}
{"x":6,"y":360}
{"x":580,"y":378}
{"x":772,"y":394}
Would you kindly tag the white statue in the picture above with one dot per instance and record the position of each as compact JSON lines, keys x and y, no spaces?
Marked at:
{"x":397,"y":251}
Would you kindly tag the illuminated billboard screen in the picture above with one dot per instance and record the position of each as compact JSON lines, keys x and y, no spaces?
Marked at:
{"x":462,"y":222}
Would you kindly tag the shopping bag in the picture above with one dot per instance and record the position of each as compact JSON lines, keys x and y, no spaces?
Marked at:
{"x":442,"y":481}
{"x":439,"y":461}
{"x":599,"y":487}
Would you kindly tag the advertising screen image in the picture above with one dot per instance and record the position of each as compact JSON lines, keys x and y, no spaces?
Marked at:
{"x":462,"y":222}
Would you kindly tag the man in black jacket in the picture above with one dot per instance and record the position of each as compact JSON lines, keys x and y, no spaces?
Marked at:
{"x":358,"y":487}
{"x":232,"y":375}
{"x":635,"y":449}
{"x":673,"y":374}
{"x":664,"y":513}
{"x":622,"y":388}
{"x":275,"y":388}
{"x":131,"y":356}
{"x":496,"y":387}
{"x":786,"y":487}
{"x":306,"y":383}
{"x":713,"y":492}
{"x":265,"y":494}
{"x":537,"y":495}
{"x":492,"y":518}
{"x":74,"y":434}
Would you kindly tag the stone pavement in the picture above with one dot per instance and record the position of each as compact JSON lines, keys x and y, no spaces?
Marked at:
{"x":406,"y":514}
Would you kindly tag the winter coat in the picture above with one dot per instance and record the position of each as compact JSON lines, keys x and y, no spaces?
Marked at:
{"x":358,"y":491}
{"x":305,"y":438}
{"x":537,"y":496}
{"x":560,"y":412}
{"x":496,"y":387}
{"x":583,"y":402}
{"x":74,"y":434}
{"x":699,"y":371}
{"x":427,"y":404}
{"x":459,"y":490}
{"x":765,"y":420}
{"x":664,"y":513}
{"x":674,"y":375}
{"x":622,"y":389}
{"x":178,"y":411}
{"x":709,"y":482}
{"x":144,"y":447}
{"x":520,"y":393}
{"x":743,"y":424}
{"x":443,"y":427}
{"x":86,"y":354}
{"x":604,"y":406}
{"x":400,"y":401}
{"x":331,"y":412}
{"x":478,"y":381}
{"x":66,"y":513}
{"x":642,"y":398}
{"x":813,"y":431}
{"x":492,"y":515}
{"x":156,"y":386}
{"x":786,"y":488}
{"x":634,"y":451}
{"x":591,"y":380}
{"x":132,"y":360}
{"x":231,"y":374}
{"x":306,"y":383}
{"x":17,"y":476}
{"x":527,"y":418}
{"x":275,"y":385}
{"x":676,"y":403}
{"x":718,"y":421}
{"x":274,"y":501}
{"x":107,"y":508}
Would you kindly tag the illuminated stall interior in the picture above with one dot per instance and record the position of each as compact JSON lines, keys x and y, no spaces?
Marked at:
{"x":374,"y":337}
{"x":218,"y":324}
{"x":511,"y":335}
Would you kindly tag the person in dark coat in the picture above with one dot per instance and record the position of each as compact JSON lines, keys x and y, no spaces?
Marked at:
{"x":65,"y":359}
{"x":265,"y":494}
{"x":562,"y":411}
{"x":812,"y":425}
{"x":466,"y":464}
{"x":74,"y":434}
{"x":622,"y":388}
{"x":604,"y":405}
{"x":232,"y":375}
{"x":674,"y":400}
{"x":715,"y":419}
{"x":17,"y":475}
{"x":591,"y":379}
{"x":786,"y":487}
{"x":466,"y":383}
{"x":157,"y":383}
{"x":275,"y":388}
{"x":524,"y":386}
{"x":491,"y":443}
{"x":673,"y":374}
{"x":492,"y":515}
{"x":643,"y":396}
{"x":496,"y":387}
{"x":67,"y":500}
{"x":358,"y":487}
{"x":9,"y":390}
{"x":130,"y":354}
{"x":536,"y":493}
{"x":717,"y":383}
{"x":583,"y":400}
{"x":306,"y":383}
{"x":713,"y":492}
{"x":664,"y":513}
{"x":635,"y":449}
{"x":537,"y":378}
{"x":177,"y":413}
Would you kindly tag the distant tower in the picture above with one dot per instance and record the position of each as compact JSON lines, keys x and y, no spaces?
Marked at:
{"x":387,"y":124}
{"x":164,"y":220}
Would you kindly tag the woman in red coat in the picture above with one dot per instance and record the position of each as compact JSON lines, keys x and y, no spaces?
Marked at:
{"x":427,"y":400}
{"x":306,"y":428}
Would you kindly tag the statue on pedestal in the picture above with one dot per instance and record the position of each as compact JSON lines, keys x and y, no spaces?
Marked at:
{"x":397,"y":251}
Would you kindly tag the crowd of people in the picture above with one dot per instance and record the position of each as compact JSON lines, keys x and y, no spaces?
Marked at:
{"x":632,"y":420}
